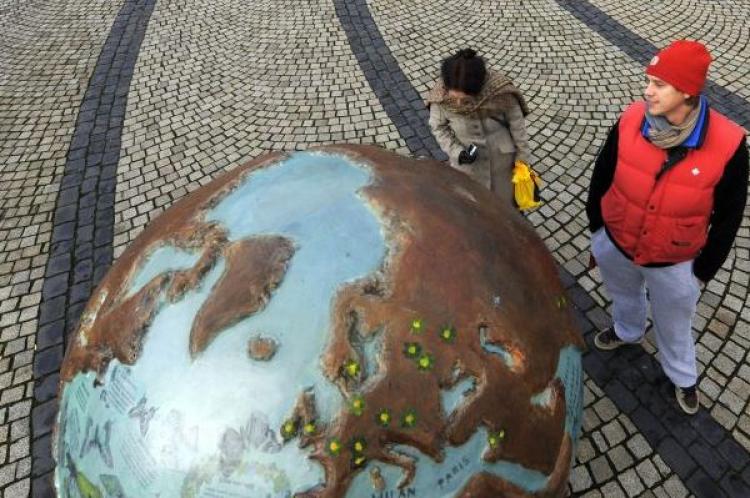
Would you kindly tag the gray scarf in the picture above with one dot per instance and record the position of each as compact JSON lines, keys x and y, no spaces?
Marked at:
{"x":665,"y":135}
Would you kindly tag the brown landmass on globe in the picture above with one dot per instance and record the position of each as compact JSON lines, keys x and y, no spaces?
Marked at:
{"x":443,"y":276}
{"x":262,"y":348}
{"x":254,"y":269}
{"x":463,"y":279}
{"x":113,"y":324}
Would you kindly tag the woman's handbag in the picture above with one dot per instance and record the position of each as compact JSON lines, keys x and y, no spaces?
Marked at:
{"x":526,"y":186}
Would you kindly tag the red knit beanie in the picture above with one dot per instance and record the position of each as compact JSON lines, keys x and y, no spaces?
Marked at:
{"x":683,"y":64}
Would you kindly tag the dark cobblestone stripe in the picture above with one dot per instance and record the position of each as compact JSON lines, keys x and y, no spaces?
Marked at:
{"x":641,"y":50}
{"x":698,"y":449}
{"x":83,"y":222}
{"x":399,"y":98}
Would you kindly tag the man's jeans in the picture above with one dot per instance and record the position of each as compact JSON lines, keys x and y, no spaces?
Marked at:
{"x":673,"y":292}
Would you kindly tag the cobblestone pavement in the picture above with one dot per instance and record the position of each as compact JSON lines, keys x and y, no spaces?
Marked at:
{"x":48,"y":51}
{"x":112,"y":110}
{"x":720,"y":24}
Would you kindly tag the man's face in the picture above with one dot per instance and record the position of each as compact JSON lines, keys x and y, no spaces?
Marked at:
{"x":662,"y":97}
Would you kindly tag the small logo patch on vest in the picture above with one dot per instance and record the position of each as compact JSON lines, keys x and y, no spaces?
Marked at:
{"x":696,"y":172}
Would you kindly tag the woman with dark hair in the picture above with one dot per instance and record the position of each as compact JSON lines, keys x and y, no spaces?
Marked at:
{"x":477,"y":116}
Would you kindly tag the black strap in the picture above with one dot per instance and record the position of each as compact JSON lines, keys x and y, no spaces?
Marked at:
{"x":674,"y":156}
{"x":501,"y":121}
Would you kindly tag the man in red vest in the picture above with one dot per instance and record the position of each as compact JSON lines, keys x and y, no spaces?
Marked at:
{"x":666,"y":198}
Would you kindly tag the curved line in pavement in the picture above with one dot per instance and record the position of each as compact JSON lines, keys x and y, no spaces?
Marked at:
{"x":400,"y":100}
{"x":641,"y":50}
{"x":83,"y":222}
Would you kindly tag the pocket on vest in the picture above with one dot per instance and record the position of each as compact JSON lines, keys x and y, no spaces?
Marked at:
{"x":687,"y":237}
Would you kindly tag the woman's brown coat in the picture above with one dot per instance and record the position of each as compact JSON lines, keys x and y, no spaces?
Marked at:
{"x":501,"y":139}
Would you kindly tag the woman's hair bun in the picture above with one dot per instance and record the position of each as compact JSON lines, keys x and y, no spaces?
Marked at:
{"x":466,"y":53}
{"x":464,"y":71}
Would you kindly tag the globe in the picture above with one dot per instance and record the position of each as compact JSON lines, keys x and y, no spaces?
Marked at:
{"x":339,"y":322}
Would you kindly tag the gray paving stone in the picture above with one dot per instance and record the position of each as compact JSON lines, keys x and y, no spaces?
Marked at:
{"x":724,"y":416}
{"x":24,"y":468}
{"x":732,"y":401}
{"x":631,"y":483}
{"x":19,"y":449}
{"x":660,"y":492}
{"x":592,"y":494}
{"x":614,"y":433}
{"x":19,"y":429}
{"x":600,"y":469}
{"x":606,"y":409}
{"x":648,"y":473}
{"x":12,"y":395}
{"x":675,"y":488}
{"x":620,"y":458}
{"x":580,"y":479}
{"x":585,"y":451}
{"x":613,"y":490}
{"x":18,"y":489}
{"x":6,"y":379}
{"x":7,"y":473}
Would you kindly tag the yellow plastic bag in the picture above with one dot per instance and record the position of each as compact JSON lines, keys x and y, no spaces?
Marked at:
{"x":526,"y":186}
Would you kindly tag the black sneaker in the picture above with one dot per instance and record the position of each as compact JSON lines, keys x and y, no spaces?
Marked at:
{"x":607,"y":340}
{"x":687,"y":399}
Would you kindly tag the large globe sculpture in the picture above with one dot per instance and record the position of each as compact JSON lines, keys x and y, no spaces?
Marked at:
{"x":343,"y":322}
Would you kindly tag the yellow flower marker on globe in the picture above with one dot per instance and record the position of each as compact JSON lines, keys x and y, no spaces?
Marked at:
{"x":384,"y":417}
{"x":495,"y":438}
{"x":425,"y":362}
{"x":409,"y":419}
{"x":309,"y":428}
{"x":358,"y":446}
{"x":334,"y":447}
{"x":561,"y":302}
{"x":412,"y":349}
{"x":357,"y":405}
{"x":351,"y":367}
{"x":417,"y":326}
{"x":448,"y":334}
{"x":289,"y":429}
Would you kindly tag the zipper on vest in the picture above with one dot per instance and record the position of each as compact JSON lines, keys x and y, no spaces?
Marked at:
{"x":674,"y":156}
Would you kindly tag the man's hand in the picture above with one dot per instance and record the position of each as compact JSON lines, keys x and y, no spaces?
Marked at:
{"x":468,"y":155}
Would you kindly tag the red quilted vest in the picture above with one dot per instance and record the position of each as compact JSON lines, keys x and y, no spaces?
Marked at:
{"x":665,"y":221}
